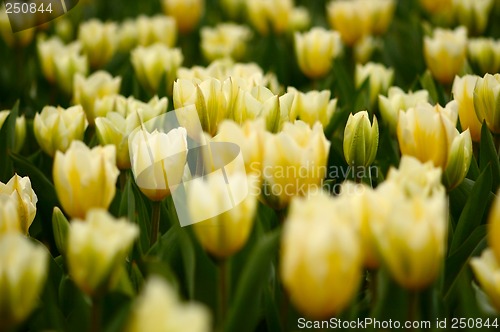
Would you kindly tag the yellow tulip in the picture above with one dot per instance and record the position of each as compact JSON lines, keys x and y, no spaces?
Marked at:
{"x":349,"y":19}
{"x":55,"y":128}
{"x":99,"y":41}
{"x":187,"y":13}
{"x":321,"y":259}
{"x":10,"y":220}
{"x":487,"y":101}
{"x":436,"y":6}
{"x":24,"y":200}
{"x":158,"y":309}
{"x":484,"y":53}
{"x":463,"y":93}
{"x":380,"y":78}
{"x":156,"y":29}
{"x":226,"y":40}
{"x":473,"y":14}
{"x":269,"y":14}
{"x":97,"y":246}
{"x":23,"y":271}
{"x":494,"y":227}
{"x":85,"y":178}
{"x":487,"y":271}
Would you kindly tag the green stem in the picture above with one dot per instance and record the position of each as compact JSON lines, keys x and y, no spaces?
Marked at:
{"x":155,"y":222}
{"x":413,"y":307}
{"x":223,"y":291}
{"x":95,"y":325}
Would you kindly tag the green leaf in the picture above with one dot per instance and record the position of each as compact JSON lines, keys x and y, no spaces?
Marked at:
{"x":7,"y":143}
{"x":243,"y":313}
{"x":60,"y":227}
{"x":488,"y":155}
{"x":458,"y":260}
{"x":474,"y":209}
{"x":436,"y":93}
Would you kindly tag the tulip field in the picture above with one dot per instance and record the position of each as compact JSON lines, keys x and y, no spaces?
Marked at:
{"x":249,"y":165}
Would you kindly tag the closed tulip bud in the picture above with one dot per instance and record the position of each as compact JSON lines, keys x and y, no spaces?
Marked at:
{"x":208,"y":97}
{"x":300,"y":19}
{"x":69,"y":63}
{"x":23,"y":271}
{"x":380,"y":78}
{"x":473,"y":14}
{"x":487,"y":101}
{"x":411,"y":235}
{"x":85,"y":178}
{"x":459,"y":158}
{"x":24,"y":198}
{"x":156,"y":29}
{"x":268,"y":15}
{"x":96,"y":86}
{"x":315,"y":51}
{"x":494,"y":227}
{"x":126,"y":115}
{"x":484,"y":54}
{"x":381,"y":12}
{"x":445,"y":53}
{"x":55,"y":127}
{"x":350,"y":19}
{"x":154,"y":63}
{"x":364,"y":49}
{"x":312,"y":106}
{"x":487,"y":271}
{"x":321,"y":258}
{"x":226,"y":40}
{"x":249,"y":136}
{"x":294,"y":162}
{"x":360,"y":139}
{"x":397,"y":100}
{"x":20,"y":129}
{"x":99,"y":41}
{"x":159,"y":309}
{"x":97,"y":246}
{"x":227,"y":231}
{"x":427,"y":132}
{"x":158,"y":160}
{"x":128,"y":35}
{"x":47,"y":51}
{"x":187,"y":13}
{"x":463,"y":93}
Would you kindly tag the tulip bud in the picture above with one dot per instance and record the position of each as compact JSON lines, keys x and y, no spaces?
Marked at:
{"x":380,"y":78}
{"x":360,"y":139}
{"x":459,"y":158}
{"x":154,"y":63}
{"x":321,"y":258}
{"x":299,"y":19}
{"x":20,"y":129}
{"x":55,"y":128}
{"x":494,"y":227}
{"x":436,"y":6}
{"x":156,"y":29}
{"x":350,"y":19}
{"x":487,"y":271}
{"x":97,"y":246}
{"x":225,"y":233}
{"x":126,"y":115}
{"x":364,"y":49}
{"x":484,"y":53}
{"x":88,"y":90}
{"x":99,"y":41}
{"x":473,"y":14}
{"x":226,"y":40}
{"x":398,"y":100}
{"x":158,"y":309}
{"x":426,"y":132}
{"x":411,"y":235}
{"x":47,"y":51}
{"x":315,"y":51}
{"x":187,"y":13}
{"x":24,"y":199}
{"x":233,"y":8}
{"x":85,"y":178}
{"x":463,"y":93}
{"x":312,"y":106}
{"x":487,"y":101}
{"x":69,"y":63}
{"x":294,"y":162}
{"x":128,"y":35}
{"x":445,"y":53}
{"x":10,"y":220}
{"x":269,"y":14}
{"x":158,"y":160}
{"x":23,"y":271}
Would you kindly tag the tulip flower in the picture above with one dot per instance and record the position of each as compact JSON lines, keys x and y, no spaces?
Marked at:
{"x":473,"y":14}
{"x":226,"y":40}
{"x":10,"y":220}
{"x":18,"y":189}
{"x":436,"y":6}
{"x":484,"y":53}
{"x":315,"y":51}
{"x":360,"y":139}
{"x":156,"y":29}
{"x":187,"y":13}
{"x":445,"y":53}
{"x":494,"y":227}
{"x":85,"y":178}
{"x":55,"y":128}
{"x":158,"y":308}
{"x":321,"y":259}
{"x":487,"y":271}
{"x":20,"y":129}
{"x":487,"y":101}
{"x":269,"y":14}
{"x":463,"y":93}
{"x":23,"y":271}
{"x":312,"y":106}
{"x":99,"y":41}
{"x":380,"y":78}
{"x":97,"y":246}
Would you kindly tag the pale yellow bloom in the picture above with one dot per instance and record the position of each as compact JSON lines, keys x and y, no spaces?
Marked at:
{"x":487,"y":101}
{"x":23,"y":271}
{"x":312,"y":106}
{"x":187,"y":13}
{"x":360,"y":139}
{"x":487,"y":270}
{"x":494,"y":226}
{"x":445,"y":53}
{"x":156,"y":29}
{"x":473,"y":14}
{"x":269,"y":14}
{"x":159,"y":309}
{"x":299,"y":20}
{"x":24,"y":200}
{"x":463,"y":93}
{"x":321,"y":258}
{"x":99,"y":41}
{"x":97,"y":246}
{"x":484,"y":53}
{"x":315,"y":51}
{"x":380,"y":78}
{"x":436,"y":6}
{"x":85,"y":178}
{"x":225,"y":40}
